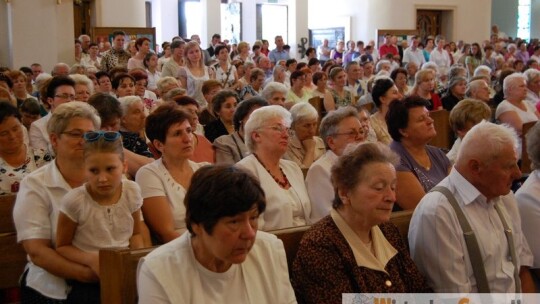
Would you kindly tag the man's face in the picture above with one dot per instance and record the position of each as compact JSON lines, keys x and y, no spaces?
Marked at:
{"x":279,"y":41}
{"x":85,"y":42}
{"x":496,"y":176}
{"x":216,"y":40}
{"x":119,"y":42}
{"x":36,"y":70}
{"x":414,"y":42}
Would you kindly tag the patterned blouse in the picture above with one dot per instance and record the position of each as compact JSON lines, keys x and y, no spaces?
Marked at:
{"x":341,"y":101}
{"x":11,"y":177}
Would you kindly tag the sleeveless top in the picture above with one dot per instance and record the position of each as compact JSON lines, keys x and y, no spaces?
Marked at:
{"x":194,"y":86}
{"x":341,"y":101}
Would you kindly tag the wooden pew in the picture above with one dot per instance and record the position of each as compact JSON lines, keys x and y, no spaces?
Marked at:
{"x":118,"y":267}
{"x":442,"y":125}
{"x":525,"y":161}
{"x":13,"y":256}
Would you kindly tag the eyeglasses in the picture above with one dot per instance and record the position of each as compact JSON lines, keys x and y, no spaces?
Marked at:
{"x":95,"y":135}
{"x":279,"y":128}
{"x":351,"y":134}
{"x":65,"y":96}
{"x":74,"y":134}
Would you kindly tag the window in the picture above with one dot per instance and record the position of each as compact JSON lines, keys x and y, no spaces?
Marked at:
{"x":190,"y":14}
{"x":273,"y":20}
{"x":524,"y":19}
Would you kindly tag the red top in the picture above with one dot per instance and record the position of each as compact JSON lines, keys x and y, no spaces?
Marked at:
{"x":385,"y":49}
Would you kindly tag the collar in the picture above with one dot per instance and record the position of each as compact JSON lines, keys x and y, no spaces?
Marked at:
{"x":53,"y":178}
{"x":464,"y":189}
{"x":384,"y":251}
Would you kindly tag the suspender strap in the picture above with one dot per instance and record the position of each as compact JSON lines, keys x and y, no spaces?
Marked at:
{"x":470,"y":240}
{"x":511,"y":247}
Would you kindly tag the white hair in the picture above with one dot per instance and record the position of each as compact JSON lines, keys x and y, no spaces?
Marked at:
{"x":531,"y":74}
{"x":258,"y":119}
{"x":303,"y":110}
{"x":510,"y":80}
{"x":491,"y":137}
{"x":273,"y":87}
{"x":473,"y":86}
{"x":482,"y":70}
{"x":84,"y":80}
{"x":126,"y":102}
{"x":380,"y":63}
{"x":431,"y":65}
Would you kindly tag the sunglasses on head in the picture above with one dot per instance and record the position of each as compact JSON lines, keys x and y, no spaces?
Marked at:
{"x":95,"y":135}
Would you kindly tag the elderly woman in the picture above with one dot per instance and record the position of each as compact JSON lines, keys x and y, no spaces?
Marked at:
{"x":267,"y":138}
{"x":224,"y":105}
{"x":533,"y":86}
{"x":422,"y":166}
{"x":123,"y":85}
{"x":164,"y":182}
{"x":222,"y":252}
{"x":338,"y":96}
{"x":202,"y":147}
{"x":338,"y":129}
{"x":424,"y":86}
{"x":17,"y":159}
{"x":528,"y":197}
{"x":132,"y":125}
{"x":384,"y":91}
{"x":36,"y":209}
{"x":225,"y":71}
{"x":466,"y":114}
{"x":248,"y":65}
{"x":176,"y":61}
{"x":304,"y":147}
{"x":231,"y":148}
{"x":355,"y":249}
{"x":275,"y":93}
{"x":298,"y":93}
{"x":255,"y":85}
{"x":456,"y":92}
{"x":195,"y":73}
{"x":84,"y":87}
{"x":400,"y":77}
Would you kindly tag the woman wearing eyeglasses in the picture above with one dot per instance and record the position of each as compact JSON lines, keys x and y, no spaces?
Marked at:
{"x":165,"y":181}
{"x":37,"y":206}
{"x":267,"y":138}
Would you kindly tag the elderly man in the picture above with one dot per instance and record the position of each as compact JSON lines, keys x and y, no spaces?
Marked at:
{"x":85,"y":42}
{"x":338,"y":129}
{"x":478,"y":89}
{"x":116,"y":56}
{"x":323,"y":51}
{"x":474,"y":202}
{"x":279,"y":53}
{"x":60,"y":69}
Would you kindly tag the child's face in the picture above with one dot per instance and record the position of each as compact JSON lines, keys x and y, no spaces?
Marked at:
{"x":104,"y":171}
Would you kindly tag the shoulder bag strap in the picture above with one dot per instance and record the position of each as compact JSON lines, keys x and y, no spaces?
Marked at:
{"x":511,"y":247}
{"x":470,"y":239}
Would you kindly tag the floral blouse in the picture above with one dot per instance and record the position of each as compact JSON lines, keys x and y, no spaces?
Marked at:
{"x":11,"y":177}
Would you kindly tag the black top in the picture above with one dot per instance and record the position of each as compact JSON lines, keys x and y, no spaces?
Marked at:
{"x":449,"y":101}
{"x":135,"y":144}
{"x":214,"y":130}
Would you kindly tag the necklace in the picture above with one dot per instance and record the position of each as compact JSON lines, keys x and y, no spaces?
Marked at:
{"x":283,"y":184}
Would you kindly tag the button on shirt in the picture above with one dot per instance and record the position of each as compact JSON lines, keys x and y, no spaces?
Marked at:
{"x":438,"y":247}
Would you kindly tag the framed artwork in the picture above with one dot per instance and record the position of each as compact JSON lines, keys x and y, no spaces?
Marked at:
{"x":231,"y":22}
{"x":400,"y":35}
{"x":102,"y":34}
{"x":333,"y":34}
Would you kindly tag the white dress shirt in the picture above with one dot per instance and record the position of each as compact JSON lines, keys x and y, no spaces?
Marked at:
{"x":319,"y":186}
{"x":441,"y":58}
{"x":416,"y":56}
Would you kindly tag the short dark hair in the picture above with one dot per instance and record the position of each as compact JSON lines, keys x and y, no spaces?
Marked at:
{"x":7,"y":80}
{"x":295,"y":75}
{"x":208,"y":85}
{"x":290,"y":61}
{"x":313,"y":61}
{"x":220,"y":98}
{"x":301,"y":65}
{"x":118,"y":79}
{"x":185,"y":100}
{"x":118,"y":33}
{"x":244,"y":107}
{"x":380,"y":87}
{"x":219,"y":191}
{"x":25,"y":70}
{"x":216,"y":36}
{"x":30,"y":106}
{"x":220,"y":47}
{"x":397,"y":117}
{"x":159,"y":121}
{"x":107,"y":106}
{"x":93,"y":44}
{"x":100,"y":74}
{"x":138,"y":74}
{"x":8,"y":110}
{"x":397,"y":71}
{"x":58,"y":81}
{"x":310,"y":50}
{"x":147,"y":58}
{"x":140,"y":42}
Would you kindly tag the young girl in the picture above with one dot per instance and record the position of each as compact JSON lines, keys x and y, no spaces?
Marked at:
{"x":103,"y":213}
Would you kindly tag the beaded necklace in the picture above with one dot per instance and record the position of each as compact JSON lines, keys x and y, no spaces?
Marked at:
{"x":283,"y":184}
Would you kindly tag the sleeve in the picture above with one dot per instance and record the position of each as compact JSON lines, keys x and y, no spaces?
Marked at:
{"x":435,"y":240}
{"x":319,"y":273}
{"x":529,"y":210}
{"x":71,"y":203}
{"x":320,"y":191}
{"x":148,"y":287}
{"x":149,"y":182}
{"x":503,"y":107}
{"x":104,"y":61}
{"x":133,"y":194}
{"x":31,"y":211}
{"x":131,"y":64}
{"x":224,"y":155}
{"x":36,"y":138}
{"x":283,"y":272}
{"x":166,"y":70}
{"x":182,"y":72}
{"x":523,"y":251}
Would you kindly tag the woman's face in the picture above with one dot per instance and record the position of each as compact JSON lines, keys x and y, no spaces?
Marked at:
{"x":259,"y":82}
{"x":194,"y":55}
{"x":223,"y":54}
{"x":420,"y":125}
{"x":390,"y":95}
{"x":133,"y":121}
{"x":125,"y":88}
{"x":277,"y":98}
{"x":226,"y":112}
{"x":460,"y":88}
{"x":145,"y":47}
{"x":152,"y":62}
{"x":167,"y":51}
{"x":321,"y":83}
{"x":280,"y":77}
{"x":69,"y":145}
{"x":340,"y":79}
{"x":363,"y":116}
{"x":428,"y":83}
{"x":140,"y":87}
{"x":193,"y":111}
{"x":82,"y":93}
{"x":272,"y":137}
{"x":231,"y":239}
{"x":178,"y":141}
{"x":305,"y":128}
{"x":299,"y":82}
{"x":309,"y":79}
{"x":401,"y":80}
{"x":105,"y":84}
{"x":19,"y":85}
{"x":372,"y":199}
{"x":11,"y":135}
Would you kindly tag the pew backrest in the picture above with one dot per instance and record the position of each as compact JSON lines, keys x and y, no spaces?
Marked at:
{"x":13,"y":256}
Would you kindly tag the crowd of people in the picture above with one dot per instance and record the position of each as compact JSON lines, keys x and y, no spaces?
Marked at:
{"x":204,"y":150}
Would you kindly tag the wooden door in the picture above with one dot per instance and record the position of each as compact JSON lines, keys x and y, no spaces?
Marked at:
{"x":428,"y":23}
{"x":81,"y":17}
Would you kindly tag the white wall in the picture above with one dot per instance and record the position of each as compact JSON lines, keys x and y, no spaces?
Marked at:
{"x":4,"y":33}
{"x":504,"y":14}
{"x":368,"y":16}
{"x":120,"y":13}
{"x":165,"y":19}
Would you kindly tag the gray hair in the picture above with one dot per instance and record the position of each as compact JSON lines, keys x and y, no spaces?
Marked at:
{"x":457,"y":70}
{"x":380,"y":63}
{"x":510,"y":80}
{"x":174,"y":92}
{"x":329,"y":124}
{"x":127,"y":101}
{"x":258,"y":119}
{"x":165,"y":81}
{"x":278,"y":69}
{"x":84,"y":80}
{"x":273,"y":87}
{"x":531,"y":74}
{"x":473,"y":86}
{"x":432,"y":66}
{"x":533,"y":145}
{"x":491,"y":137}
{"x":62,"y":115}
{"x":303,"y":110}
{"x":482,"y":70}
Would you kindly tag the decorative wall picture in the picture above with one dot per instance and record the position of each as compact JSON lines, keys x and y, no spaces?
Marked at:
{"x":316,"y":36}
{"x":231,"y":22}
